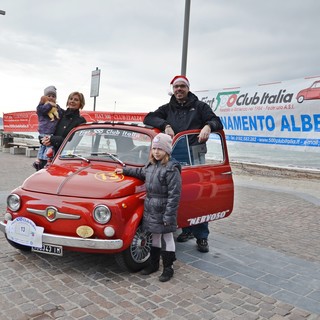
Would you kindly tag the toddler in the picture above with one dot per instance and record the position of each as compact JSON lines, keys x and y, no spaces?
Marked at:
{"x":49,"y":113}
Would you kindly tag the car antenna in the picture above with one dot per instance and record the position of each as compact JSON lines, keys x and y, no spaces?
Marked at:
{"x":114,"y":112}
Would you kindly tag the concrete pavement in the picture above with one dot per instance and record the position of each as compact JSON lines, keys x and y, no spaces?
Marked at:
{"x":263,"y":263}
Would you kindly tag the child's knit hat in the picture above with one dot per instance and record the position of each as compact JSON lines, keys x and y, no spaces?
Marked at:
{"x":162,"y":141}
{"x":50,"y":89}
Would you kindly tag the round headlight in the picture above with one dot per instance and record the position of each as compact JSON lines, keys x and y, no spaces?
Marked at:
{"x":101,"y":214}
{"x":13,"y":202}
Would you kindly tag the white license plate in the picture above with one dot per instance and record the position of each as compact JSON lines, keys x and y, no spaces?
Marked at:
{"x":24,"y":231}
{"x":49,"y":249}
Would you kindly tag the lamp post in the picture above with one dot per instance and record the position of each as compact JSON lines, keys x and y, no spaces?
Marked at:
{"x":185,"y":38}
{"x":2,"y":12}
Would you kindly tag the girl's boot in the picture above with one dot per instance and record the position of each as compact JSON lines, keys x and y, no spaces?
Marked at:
{"x":154,"y":262}
{"x":167,"y":258}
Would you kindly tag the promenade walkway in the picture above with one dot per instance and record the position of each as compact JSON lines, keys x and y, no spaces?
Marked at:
{"x":263,"y":264}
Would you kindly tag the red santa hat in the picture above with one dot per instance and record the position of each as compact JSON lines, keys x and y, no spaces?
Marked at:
{"x":183,"y":79}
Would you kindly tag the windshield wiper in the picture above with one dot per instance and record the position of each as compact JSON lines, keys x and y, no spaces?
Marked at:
{"x":74,"y":155}
{"x":111,"y":155}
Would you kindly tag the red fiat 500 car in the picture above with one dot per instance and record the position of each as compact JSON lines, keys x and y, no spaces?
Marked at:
{"x":311,"y":93}
{"x":79,"y":203}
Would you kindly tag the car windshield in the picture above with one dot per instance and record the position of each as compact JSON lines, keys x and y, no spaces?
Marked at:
{"x":117,"y":145}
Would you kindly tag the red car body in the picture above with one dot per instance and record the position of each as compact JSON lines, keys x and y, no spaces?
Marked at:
{"x":78,"y":202}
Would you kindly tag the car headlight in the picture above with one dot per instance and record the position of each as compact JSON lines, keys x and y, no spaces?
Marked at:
{"x":13,"y":202}
{"x":102,"y":214}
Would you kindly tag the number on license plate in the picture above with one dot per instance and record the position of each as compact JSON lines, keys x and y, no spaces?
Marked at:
{"x":49,"y":249}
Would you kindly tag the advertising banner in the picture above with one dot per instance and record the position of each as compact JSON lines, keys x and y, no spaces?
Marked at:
{"x":28,"y":121}
{"x":283,"y":114}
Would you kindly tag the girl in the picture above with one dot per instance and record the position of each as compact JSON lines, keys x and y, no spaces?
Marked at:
{"x":163,"y":186}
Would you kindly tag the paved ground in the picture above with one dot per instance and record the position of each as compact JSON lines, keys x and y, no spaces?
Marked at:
{"x":263,"y":264}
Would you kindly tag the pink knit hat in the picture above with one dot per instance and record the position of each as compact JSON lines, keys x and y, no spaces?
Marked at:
{"x":162,"y":141}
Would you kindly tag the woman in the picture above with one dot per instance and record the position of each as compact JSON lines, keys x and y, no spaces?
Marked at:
{"x":69,"y":120}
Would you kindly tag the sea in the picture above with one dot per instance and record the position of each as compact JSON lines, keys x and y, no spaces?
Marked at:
{"x":276,"y":156}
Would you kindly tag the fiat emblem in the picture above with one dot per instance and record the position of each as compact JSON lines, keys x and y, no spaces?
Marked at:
{"x":51,"y":213}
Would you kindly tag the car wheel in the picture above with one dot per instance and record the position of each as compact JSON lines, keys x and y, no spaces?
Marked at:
{"x":19,"y":246}
{"x":300,"y":99}
{"x":135,"y":257}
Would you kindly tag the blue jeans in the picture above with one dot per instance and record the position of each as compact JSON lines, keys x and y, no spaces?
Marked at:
{"x":200,"y":231}
{"x":42,"y":153}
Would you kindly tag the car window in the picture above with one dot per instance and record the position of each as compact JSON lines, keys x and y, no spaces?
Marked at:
{"x":108,"y":144}
{"x":188,"y":152}
{"x":215,"y":153}
{"x":316,"y":85}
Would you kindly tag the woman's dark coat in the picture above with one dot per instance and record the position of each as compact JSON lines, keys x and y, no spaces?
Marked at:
{"x":70,"y":119}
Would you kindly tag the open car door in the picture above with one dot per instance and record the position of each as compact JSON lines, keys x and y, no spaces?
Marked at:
{"x":207,"y":184}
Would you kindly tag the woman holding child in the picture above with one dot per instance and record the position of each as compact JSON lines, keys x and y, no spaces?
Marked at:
{"x":69,"y":120}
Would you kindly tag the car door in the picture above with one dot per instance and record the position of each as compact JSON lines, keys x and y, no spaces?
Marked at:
{"x":207,"y":184}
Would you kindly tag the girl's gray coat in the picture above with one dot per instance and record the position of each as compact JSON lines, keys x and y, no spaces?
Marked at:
{"x":163,"y":186}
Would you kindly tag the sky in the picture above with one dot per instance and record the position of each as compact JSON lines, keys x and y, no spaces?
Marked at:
{"x":137,"y":45}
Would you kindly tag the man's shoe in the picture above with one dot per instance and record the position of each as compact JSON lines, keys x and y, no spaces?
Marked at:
{"x":202,"y":245}
{"x":185,"y":236}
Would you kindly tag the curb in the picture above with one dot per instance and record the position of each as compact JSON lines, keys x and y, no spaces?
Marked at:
{"x":275,"y":171}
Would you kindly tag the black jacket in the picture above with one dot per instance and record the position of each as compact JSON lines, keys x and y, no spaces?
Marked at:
{"x":194,"y":114}
{"x":70,"y":119}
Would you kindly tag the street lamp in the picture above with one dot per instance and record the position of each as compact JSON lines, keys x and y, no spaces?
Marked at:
{"x":185,"y":38}
{"x":2,"y":12}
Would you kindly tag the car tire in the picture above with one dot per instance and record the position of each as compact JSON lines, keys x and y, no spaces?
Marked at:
{"x":300,"y":99}
{"x":136,"y":256}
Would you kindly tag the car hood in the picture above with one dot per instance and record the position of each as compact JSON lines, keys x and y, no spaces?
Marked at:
{"x":90,"y":181}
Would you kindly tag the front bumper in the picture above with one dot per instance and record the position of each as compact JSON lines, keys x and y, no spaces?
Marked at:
{"x":85,"y":243}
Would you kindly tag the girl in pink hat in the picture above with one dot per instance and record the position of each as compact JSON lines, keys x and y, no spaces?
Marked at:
{"x":163,"y":186}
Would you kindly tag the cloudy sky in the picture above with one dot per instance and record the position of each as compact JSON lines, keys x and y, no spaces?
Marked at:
{"x":138,"y":47}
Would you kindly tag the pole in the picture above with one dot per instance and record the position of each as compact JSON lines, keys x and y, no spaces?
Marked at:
{"x":185,"y":38}
{"x":94,"y":99}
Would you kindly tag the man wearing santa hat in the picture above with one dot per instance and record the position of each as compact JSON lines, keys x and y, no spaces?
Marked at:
{"x":186,"y":112}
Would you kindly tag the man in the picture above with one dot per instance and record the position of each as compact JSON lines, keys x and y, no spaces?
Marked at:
{"x":186,"y":112}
